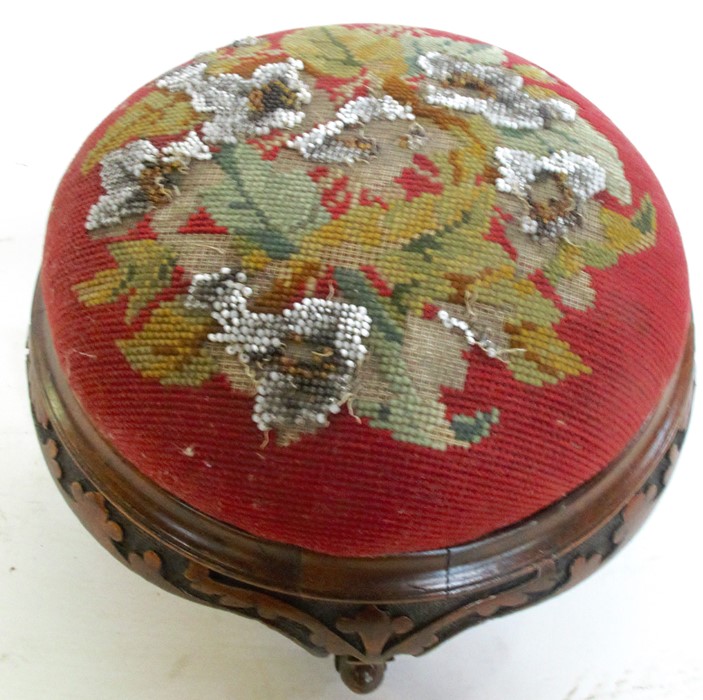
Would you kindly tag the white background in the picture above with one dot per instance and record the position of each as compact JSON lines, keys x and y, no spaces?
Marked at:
{"x":75,"y":624}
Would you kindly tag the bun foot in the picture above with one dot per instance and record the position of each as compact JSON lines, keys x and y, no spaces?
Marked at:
{"x":360,"y":677}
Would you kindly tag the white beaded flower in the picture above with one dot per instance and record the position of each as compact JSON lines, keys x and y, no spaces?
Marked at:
{"x":339,"y":141}
{"x":241,"y":107}
{"x":304,"y":359}
{"x":140,"y":176}
{"x":554,"y":188}
{"x":494,"y":92}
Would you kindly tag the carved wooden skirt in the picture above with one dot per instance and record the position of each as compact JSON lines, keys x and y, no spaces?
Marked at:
{"x":370,"y":333}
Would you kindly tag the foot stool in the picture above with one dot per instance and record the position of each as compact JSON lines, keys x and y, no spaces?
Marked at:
{"x":368,"y":332}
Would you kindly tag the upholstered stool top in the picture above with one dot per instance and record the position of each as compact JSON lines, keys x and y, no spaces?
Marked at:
{"x":364,"y":289}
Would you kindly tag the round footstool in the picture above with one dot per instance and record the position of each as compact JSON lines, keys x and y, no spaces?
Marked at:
{"x":369,"y":332}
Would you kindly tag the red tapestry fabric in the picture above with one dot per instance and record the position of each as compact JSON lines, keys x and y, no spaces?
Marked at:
{"x":500,"y":268}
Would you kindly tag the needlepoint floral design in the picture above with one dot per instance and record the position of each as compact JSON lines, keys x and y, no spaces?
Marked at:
{"x":140,"y":176}
{"x":553,"y":187}
{"x":364,"y":289}
{"x":271,"y":99}
{"x":342,"y":140}
{"x":491,"y":91}
{"x":306,"y":357}
{"x":352,"y":222}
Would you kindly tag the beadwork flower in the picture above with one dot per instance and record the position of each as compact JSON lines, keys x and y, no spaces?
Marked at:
{"x":304,"y":359}
{"x":554,"y":188}
{"x":240,"y":107}
{"x":341,"y":140}
{"x":494,"y":92}
{"x":140,"y":176}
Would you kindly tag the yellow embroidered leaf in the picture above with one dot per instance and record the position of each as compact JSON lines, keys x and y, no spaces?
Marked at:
{"x":362,"y":226}
{"x":568,"y":261}
{"x":144,"y":268}
{"x":527,"y":321}
{"x":343,"y":52}
{"x":533,"y":72}
{"x":255,"y":261}
{"x":104,"y":288}
{"x":467,"y":162}
{"x":630,"y":235}
{"x":546,"y":358}
{"x":170,"y":346}
{"x":157,"y":114}
{"x":621,"y":235}
{"x":540,"y":92}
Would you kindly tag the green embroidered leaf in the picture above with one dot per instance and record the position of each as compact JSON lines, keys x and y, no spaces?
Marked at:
{"x":441,"y":267}
{"x":646,"y":217}
{"x":410,"y":416}
{"x":475,"y":428}
{"x":170,"y":346}
{"x":565,"y":261}
{"x":343,"y":52}
{"x":263,"y":209}
{"x":160,"y":113}
{"x":358,"y":290}
{"x":415,"y":46}
{"x":411,"y":413}
{"x":592,"y":254}
{"x":580,"y":137}
{"x":456,"y":249}
{"x":144,"y":269}
{"x":517,"y":298}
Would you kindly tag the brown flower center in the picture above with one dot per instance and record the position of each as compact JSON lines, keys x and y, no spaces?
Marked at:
{"x":304,"y":360}
{"x":272,"y":96}
{"x":156,"y":183}
{"x":471,"y":84}
{"x":550,"y":197}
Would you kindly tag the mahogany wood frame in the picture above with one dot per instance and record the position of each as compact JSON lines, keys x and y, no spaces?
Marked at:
{"x":365,"y":611}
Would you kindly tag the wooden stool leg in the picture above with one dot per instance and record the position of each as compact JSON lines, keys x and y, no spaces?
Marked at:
{"x":359,"y":676}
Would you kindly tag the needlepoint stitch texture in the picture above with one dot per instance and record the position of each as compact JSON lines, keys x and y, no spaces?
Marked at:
{"x":364,"y":289}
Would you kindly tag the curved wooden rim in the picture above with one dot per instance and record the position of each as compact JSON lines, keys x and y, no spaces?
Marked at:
{"x":493,"y":561}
